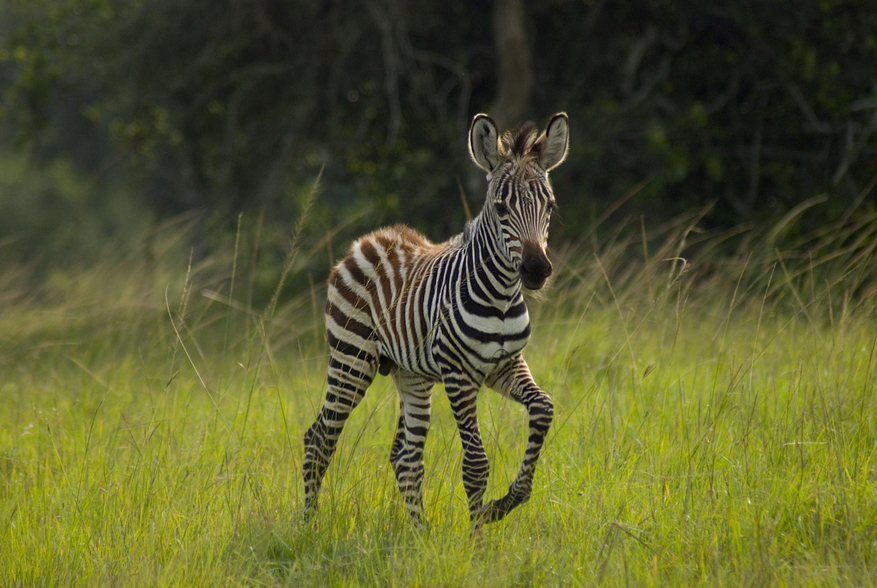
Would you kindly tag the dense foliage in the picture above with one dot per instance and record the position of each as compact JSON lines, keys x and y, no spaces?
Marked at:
{"x":751,"y":106}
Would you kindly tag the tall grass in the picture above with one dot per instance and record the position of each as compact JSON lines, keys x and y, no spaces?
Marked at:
{"x":715,"y":425}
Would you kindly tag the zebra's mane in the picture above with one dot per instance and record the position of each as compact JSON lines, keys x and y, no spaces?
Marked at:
{"x":518,"y":143}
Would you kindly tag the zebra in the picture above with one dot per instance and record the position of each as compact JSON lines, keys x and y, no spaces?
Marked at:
{"x":451,"y":312}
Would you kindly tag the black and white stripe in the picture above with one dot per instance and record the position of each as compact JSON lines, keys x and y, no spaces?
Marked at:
{"x":452,"y":313}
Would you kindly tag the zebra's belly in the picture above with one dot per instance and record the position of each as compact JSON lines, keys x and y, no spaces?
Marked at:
{"x":495,"y":352}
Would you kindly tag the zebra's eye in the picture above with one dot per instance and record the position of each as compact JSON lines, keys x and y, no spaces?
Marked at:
{"x":501,"y":208}
{"x":552,"y":206}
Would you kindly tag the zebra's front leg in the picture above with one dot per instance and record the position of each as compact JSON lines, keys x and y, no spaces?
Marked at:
{"x":476,"y":469}
{"x":515,"y":381}
{"x":406,"y":455}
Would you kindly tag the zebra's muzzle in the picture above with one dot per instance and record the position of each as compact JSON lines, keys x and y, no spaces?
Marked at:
{"x":535,"y":267}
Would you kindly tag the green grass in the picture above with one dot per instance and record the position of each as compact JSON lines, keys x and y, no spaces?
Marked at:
{"x":715,"y":425}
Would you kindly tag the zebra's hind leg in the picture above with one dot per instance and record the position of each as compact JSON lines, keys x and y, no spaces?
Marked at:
{"x":351,"y":372}
{"x":406,"y":455}
{"x":514,"y":380}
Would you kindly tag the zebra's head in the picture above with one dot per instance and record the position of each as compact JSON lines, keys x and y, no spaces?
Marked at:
{"x":519,"y":197}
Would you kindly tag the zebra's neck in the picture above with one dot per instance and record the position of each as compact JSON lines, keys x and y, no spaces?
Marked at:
{"x":486,"y":261}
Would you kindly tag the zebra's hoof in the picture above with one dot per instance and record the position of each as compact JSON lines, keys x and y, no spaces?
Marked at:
{"x":419,"y":523}
{"x":489,"y":513}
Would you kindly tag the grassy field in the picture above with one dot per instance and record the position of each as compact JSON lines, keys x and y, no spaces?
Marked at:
{"x":715,"y":425}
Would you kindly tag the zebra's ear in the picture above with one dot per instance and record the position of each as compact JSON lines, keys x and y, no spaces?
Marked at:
{"x":484,"y":142}
{"x":554,"y":142}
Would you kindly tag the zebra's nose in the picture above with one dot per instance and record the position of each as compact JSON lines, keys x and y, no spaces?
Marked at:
{"x":535,"y":268}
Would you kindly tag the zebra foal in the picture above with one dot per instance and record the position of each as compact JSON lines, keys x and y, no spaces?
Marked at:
{"x":449,"y":312}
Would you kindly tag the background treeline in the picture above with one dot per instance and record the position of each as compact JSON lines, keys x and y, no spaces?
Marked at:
{"x":120,"y":114}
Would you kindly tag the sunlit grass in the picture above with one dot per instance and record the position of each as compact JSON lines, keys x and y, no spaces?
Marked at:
{"x":715,"y":425}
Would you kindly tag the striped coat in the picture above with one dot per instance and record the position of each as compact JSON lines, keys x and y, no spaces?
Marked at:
{"x":451,"y":312}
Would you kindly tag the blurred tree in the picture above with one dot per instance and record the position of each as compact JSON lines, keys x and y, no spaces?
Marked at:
{"x":515,"y":71}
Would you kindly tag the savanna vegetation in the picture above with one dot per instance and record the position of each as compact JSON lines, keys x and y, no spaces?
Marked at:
{"x":715,"y":425}
{"x":176,"y":178}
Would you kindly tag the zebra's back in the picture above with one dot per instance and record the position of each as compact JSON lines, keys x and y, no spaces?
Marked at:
{"x":379,"y":297}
